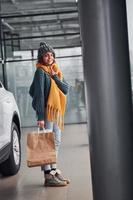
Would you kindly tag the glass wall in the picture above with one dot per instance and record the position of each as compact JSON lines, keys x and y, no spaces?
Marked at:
{"x":20,"y":75}
{"x":72,"y":68}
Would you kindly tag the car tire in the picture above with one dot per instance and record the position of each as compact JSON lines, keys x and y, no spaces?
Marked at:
{"x":12,"y":165}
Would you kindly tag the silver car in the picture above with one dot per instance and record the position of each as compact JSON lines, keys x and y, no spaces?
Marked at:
{"x":10,"y":134}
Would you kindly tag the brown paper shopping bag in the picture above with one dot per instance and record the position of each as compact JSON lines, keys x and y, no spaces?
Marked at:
{"x":40,"y":149}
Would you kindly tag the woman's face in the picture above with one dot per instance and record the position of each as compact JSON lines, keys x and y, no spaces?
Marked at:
{"x":48,"y":58}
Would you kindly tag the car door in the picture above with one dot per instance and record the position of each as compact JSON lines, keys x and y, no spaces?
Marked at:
{"x":5,"y":117}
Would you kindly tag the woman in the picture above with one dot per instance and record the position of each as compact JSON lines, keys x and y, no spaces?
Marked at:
{"x":48,"y":91}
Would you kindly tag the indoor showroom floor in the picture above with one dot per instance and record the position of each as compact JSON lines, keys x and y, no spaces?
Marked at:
{"x":73,"y":162}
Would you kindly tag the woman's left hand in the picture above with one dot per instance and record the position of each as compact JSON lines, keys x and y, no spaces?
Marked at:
{"x":52,"y":71}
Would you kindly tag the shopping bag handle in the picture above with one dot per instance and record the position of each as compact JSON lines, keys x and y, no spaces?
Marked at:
{"x":43,"y":130}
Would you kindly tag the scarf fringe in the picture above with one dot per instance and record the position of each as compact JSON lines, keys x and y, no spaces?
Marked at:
{"x":53,"y":114}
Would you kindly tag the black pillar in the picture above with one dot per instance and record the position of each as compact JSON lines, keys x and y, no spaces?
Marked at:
{"x":107,"y":75}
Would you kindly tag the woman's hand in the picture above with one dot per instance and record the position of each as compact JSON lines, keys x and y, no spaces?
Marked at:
{"x":41,"y":123}
{"x":53,"y":72}
{"x":53,"y":69}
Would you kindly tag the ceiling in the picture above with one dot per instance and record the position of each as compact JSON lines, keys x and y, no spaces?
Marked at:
{"x":32,"y":21}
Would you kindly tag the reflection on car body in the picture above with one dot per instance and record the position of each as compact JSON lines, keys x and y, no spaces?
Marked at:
{"x":10,"y":134}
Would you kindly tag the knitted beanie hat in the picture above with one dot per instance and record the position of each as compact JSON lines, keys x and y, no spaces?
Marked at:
{"x":44,"y":48}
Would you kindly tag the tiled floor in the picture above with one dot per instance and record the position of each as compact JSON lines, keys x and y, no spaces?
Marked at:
{"x":73,"y":161}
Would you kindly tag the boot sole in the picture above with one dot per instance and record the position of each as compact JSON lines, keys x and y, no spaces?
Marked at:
{"x":67,"y":181}
{"x":47,"y":185}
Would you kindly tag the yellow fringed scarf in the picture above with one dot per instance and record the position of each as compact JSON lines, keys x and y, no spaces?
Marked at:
{"x":56,"y":103}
